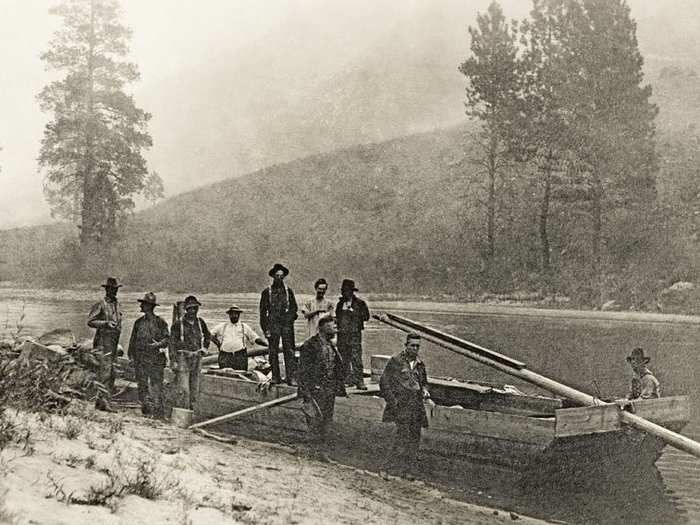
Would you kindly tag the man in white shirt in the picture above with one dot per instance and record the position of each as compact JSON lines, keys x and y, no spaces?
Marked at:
{"x":233,"y":338}
{"x":318,"y":307}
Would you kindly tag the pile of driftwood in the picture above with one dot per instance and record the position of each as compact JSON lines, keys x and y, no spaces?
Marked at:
{"x":49,"y":371}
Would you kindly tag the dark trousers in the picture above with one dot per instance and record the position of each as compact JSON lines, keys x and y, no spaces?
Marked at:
{"x":149,"y":378}
{"x":350,"y":348}
{"x":286,"y":334}
{"x":188,"y":370}
{"x":318,"y":426}
{"x":236,"y":360}
{"x":407,"y":442}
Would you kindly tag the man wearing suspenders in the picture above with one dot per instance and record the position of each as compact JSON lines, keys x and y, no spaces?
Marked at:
{"x":189,"y":339}
{"x":233,"y":338}
{"x":278,"y":310}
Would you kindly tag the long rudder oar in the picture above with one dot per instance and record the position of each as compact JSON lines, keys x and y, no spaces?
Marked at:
{"x":518,"y":369}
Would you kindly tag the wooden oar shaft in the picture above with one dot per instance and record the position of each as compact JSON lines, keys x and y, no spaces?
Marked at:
{"x":672,"y":438}
{"x":244,"y":411}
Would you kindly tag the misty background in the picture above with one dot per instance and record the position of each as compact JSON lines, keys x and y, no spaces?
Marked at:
{"x":234,"y":86}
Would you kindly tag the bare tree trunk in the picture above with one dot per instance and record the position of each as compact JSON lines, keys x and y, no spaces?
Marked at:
{"x":90,"y":200}
{"x":597,"y":211}
{"x":544,"y":224}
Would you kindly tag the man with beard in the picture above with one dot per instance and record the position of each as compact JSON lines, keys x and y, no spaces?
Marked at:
{"x":106,"y":318}
{"x":351,"y":314}
{"x":278,"y":311}
{"x":189,"y":339}
{"x":148,"y":347}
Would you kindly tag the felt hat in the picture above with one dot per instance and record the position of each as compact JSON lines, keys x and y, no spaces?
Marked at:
{"x":191,"y":300}
{"x":111,"y":283}
{"x":149,"y":298}
{"x":276,"y":268}
{"x":348,"y":284}
{"x":637,"y":356}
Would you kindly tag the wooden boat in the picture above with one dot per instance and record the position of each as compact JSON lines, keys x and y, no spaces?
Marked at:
{"x":469,"y":423}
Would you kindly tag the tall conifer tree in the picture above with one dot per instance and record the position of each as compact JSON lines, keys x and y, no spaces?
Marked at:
{"x":91,"y":151}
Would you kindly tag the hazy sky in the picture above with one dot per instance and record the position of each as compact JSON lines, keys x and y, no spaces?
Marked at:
{"x":174,"y":36}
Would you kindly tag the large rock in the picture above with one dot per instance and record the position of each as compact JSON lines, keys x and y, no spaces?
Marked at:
{"x":62,"y":337}
{"x":33,"y":351}
{"x":680,"y":298}
{"x":611,"y":306}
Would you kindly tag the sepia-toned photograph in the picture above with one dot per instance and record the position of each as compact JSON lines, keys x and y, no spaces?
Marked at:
{"x":288,"y":262}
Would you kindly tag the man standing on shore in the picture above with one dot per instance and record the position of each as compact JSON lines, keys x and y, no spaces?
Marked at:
{"x":403,"y":386}
{"x":351,"y":313}
{"x":321,"y":378}
{"x":232,"y":338}
{"x":106,"y":318}
{"x":190,"y":339}
{"x":317,"y":308}
{"x":148,"y":350}
{"x":278,"y":311}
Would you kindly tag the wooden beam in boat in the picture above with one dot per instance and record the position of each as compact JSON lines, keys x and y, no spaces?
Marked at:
{"x":587,"y":420}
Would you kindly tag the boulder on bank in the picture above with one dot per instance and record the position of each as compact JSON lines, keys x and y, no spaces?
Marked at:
{"x":682,"y":297}
{"x":611,"y":306}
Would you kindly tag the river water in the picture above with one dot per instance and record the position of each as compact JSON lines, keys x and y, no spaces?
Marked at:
{"x":584,"y":350}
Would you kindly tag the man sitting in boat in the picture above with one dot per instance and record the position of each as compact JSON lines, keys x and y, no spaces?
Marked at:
{"x":404,"y":387}
{"x":233,"y":338}
{"x":321,"y":378}
{"x":643,"y":385}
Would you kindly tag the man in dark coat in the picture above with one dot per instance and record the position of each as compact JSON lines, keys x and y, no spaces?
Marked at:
{"x":278,"y":310}
{"x":403,"y":386}
{"x":351,"y":313}
{"x":321,"y":378}
{"x":148,"y":347}
{"x":106,"y":318}
{"x":189,"y":340}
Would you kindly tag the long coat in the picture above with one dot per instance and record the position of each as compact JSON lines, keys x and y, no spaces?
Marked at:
{"x":402,"y":388}
{"x":312,"y":369}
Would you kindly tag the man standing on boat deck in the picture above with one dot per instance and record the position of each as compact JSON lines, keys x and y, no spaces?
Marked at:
{"x":403,"y":386}
{"x":190,"y":339}
{"x":232,"y":338}
{"x":643,"y":385}
{"x":148,"y":347}
{"x":317,"y":308}
{"x":351,"y":314}
{"x":321,"y":378}
{"x":278,"y":311}
{"x":106,"y":318}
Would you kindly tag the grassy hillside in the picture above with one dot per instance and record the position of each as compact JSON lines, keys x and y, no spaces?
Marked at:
{"x":384,"y":214}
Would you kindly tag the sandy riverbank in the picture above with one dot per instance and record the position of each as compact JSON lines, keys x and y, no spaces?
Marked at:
{"x":89,"y":468}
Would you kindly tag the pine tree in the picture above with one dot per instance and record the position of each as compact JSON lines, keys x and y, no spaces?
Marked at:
{"x":92,"y":148}
{"x":492,"y":76}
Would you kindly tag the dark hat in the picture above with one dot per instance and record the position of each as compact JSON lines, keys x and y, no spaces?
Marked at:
{"x":638,"y":356}
{"x":191,"y":300}
{"x":276,"y":268}
{"x":149,"y":298}
{"x":412,"y":335}
{"x":234,"y":308}
{"x":111,"y":283}
{"x":348,"y":284}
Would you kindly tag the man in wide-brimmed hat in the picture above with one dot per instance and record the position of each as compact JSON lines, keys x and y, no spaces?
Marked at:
{"x":643,"y":384}
{"x":189,"y":341}
{"x":233,"y":339}
{"x":148,"y":350}
{"x":351,"y":313}
{"x":106,"y":318}
{"x":278,"y":311}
